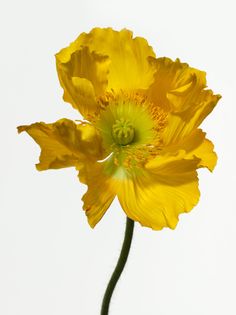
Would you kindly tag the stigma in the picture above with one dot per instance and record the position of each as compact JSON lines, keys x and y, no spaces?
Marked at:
{"x":123,"y":131}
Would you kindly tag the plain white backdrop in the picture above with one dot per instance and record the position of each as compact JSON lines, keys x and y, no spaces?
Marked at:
{"x":51,"y":261}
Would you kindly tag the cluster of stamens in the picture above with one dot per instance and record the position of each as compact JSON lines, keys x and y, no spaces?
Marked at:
{"x":124,"y":136}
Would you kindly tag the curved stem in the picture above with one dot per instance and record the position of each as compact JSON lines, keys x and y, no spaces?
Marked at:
{"x":119,"y":267}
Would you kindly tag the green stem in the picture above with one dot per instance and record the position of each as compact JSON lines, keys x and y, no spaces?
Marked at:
{"x":119,"y":267}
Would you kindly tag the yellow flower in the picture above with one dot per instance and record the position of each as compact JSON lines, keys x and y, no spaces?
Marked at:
{"x":140,"y":139}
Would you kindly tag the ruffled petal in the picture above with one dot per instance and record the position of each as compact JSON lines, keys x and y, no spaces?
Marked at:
{"x":195,"y":145}
{"x":204,"y":151}
{"x":65,"y":143}
{"x":130,"y":67}
{"x":176,"y":85}
{"x":156,"y":196}
{"x":180,"y":91}
{"x":181,"y":125}
{"x":83,"y":76}
{"x":127,"y":58}
{"x":101,"y":191}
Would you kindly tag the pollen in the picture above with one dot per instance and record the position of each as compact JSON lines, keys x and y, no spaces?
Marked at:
{"x":123,"y":131}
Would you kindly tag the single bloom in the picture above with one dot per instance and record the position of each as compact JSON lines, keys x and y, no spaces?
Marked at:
{"x":140,"y":138}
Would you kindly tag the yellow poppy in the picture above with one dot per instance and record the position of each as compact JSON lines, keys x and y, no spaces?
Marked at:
{"x":140,"y":138}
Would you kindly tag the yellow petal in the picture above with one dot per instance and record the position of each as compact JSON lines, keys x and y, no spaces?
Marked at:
{"x":156,"y":197}
{"x":205,"y":152}
{"x":130,"y":67}
{"x":129,"y":64}
{"x":65,"y":143}
{"x":196,"y":145}
{"x":83,"y":76}
{"x":181,"y":125}
{"x":101,"y":191}
{"x":192,"y":146}
{"x":176,"y":85}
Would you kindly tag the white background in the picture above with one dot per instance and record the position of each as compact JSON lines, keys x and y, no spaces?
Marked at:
{"x":51,"y":262}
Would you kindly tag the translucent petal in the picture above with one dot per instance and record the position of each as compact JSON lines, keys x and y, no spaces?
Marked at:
{"x":109,"y":60}
{"x":181,"y":125}
{"x":176,"y":85}
{"x":65,"y":143}
{"x":101,"y":191}
{"x":156,"y":196}
{"x":83,"y":76}
{"x":192,"y":146}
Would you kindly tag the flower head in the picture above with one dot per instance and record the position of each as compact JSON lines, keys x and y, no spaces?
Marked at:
{"x":140,"y":138}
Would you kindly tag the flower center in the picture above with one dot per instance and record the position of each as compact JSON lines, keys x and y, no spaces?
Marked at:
{"x":123,"y":131}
